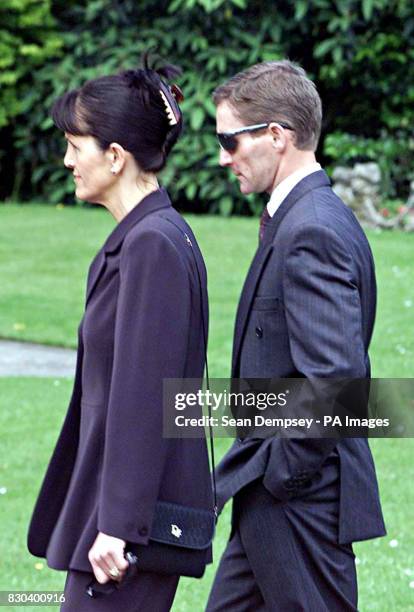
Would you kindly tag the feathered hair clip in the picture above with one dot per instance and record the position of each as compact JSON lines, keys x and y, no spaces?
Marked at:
{"x":171,"y":96}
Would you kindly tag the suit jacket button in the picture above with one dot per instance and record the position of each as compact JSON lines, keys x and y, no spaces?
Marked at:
{"x":259,"y":332}
{"x":143,"y":531}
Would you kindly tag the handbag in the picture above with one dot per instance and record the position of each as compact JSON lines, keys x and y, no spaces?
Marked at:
{"x":181,"y":536}
{"x":179,"y":542}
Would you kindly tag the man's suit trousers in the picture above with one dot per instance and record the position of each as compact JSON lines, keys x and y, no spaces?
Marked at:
{"x":285,"y":556}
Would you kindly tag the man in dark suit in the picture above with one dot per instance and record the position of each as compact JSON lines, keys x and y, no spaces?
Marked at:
{"x":306,"y":311}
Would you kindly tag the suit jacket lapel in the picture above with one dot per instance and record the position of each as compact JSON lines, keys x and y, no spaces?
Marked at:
{"x":247,"y":296}
{"x":95,"y":271}
{"x":317,"y":179}
{"x":310,"y":182}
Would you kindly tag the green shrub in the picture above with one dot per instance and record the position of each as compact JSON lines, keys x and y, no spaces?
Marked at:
{"x":360,"y":53}
{"x":393,"y":154}
{"x":27,"y":39}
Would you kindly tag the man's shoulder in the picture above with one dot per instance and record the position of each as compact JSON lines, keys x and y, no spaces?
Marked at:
{"x":317,"y":215}
{"x":321,"y":207}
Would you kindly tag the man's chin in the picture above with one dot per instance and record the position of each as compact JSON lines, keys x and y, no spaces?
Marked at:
{"x":245,"y":188}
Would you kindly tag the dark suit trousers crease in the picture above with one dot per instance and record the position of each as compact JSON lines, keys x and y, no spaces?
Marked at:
{"x":284,"y":556}
{"x":147,"y":592}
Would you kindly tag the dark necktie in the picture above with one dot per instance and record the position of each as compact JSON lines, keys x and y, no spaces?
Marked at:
{"x":264,"y":220}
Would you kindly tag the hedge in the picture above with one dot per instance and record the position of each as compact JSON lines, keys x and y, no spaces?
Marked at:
{"x":359,"y":52}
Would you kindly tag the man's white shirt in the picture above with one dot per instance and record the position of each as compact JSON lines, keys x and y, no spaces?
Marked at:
{"x":285,"y":187}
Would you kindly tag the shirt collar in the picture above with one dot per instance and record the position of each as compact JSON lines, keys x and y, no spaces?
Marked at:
{"x":285,"y":187}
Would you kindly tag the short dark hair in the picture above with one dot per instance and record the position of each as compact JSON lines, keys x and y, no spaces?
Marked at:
{"x":276,"y":91}
{"x":127,"y":108}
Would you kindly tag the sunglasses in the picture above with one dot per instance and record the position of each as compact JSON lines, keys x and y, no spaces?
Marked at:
{"x":228,"y":140}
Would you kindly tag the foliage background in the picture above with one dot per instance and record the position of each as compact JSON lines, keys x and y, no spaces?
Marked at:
{"x":359,"y":52}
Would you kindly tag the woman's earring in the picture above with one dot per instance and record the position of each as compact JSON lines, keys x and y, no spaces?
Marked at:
{"x":113,"y":170}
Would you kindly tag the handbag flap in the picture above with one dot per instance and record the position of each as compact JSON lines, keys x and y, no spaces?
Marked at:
{"x":183,"y":526}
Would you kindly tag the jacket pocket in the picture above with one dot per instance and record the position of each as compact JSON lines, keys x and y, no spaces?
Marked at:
{"x":267,"y":303}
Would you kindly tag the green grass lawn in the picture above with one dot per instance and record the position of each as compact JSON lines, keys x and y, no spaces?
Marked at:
{"x":44,"y":255}
{"x":31,"y":413}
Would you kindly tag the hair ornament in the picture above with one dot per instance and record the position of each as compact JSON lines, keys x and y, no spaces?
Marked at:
{"x":177,"y":93}
{"x":170,"y":97}
{"x":170,"y":113}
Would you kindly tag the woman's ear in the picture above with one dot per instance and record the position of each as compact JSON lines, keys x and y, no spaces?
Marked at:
{"x":116,"y":156}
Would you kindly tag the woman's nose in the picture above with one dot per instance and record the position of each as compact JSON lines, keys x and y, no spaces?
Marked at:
{"x":68,"y":160}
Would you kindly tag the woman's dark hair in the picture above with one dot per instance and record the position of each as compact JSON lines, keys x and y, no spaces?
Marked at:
{"x":135,"y":108}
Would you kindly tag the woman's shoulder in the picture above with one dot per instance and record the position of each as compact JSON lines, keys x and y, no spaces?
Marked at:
{"x":163,"y":226}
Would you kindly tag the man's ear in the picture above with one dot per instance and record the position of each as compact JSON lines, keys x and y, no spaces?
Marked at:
{"x":116,"y":156}
{"x":279,"y":136}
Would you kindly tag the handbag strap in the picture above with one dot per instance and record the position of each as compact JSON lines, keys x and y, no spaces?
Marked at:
{"x":203,"y":321}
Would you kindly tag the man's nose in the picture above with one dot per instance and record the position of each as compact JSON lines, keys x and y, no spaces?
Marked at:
{"x":225,"y":157}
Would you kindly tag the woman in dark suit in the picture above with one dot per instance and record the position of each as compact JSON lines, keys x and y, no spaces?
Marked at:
{"x":143,"y":322}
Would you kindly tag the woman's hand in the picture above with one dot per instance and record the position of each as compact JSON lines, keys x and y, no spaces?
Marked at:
{"x":107,"y":558}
